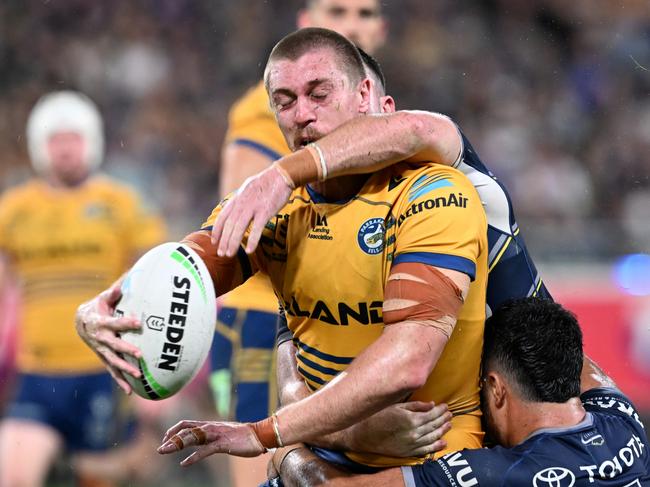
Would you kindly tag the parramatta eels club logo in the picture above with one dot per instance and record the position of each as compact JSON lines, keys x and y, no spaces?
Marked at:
{"x":371,"y":236}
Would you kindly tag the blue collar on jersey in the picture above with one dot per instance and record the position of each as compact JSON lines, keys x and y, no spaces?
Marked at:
{"x":319,"y":198}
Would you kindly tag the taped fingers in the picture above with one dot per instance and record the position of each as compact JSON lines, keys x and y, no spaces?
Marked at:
{"x":199,"y":436}
{"x":178,"y":441}
{"x":184,"y":438}
{"x":178,"y":428}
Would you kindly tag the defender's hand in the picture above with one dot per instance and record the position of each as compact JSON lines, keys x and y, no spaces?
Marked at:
{"x":403,"y":430}
{"x":97,"y":326}
{"x":255,"y":202}
{"x":212,"y":437}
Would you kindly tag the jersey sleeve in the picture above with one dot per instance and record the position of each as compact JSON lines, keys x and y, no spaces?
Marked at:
{"x":282,"y":333}
{"x":249,"y":264}
{"x":252,"y":124}
{"x":612,"y":401}
{"x":440,"y":222}
{"x":484,"y":467}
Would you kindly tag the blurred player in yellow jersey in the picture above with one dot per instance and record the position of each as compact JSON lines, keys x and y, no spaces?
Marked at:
{"x":65,"y":235}
{"x":242,"y":357}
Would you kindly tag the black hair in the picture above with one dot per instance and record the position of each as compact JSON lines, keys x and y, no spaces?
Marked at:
{"x":373,"y":65}
{"x":537,"y":344}
{"x":298,"y":43}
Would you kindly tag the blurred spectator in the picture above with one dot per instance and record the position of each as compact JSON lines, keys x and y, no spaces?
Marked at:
{"x":63,"y":400}
{"x":515,"y":74}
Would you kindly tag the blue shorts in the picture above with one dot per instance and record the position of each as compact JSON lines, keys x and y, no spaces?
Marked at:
{"x":84,"y":409}
{"x":339,"y":459}
{"x":244,"y":343}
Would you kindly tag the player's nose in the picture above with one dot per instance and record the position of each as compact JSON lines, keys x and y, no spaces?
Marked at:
{"x":305,"y":111}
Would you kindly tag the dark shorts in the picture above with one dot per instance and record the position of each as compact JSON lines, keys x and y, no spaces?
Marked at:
{"x":339,"y":459}
{"x":84,"y":409}
{"x":244,"y":343}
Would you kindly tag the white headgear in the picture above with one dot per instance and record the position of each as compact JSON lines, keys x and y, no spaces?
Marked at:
{"x":64,"y":111}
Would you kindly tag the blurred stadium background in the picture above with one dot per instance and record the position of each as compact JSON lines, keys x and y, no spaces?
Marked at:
{"x":555,"y":96}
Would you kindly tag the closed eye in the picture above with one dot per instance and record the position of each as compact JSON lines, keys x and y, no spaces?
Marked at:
{"x":282,"y":103}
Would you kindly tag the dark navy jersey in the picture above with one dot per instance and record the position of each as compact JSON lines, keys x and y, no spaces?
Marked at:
{"x":512,"y":273}
{"x":609,"y":447}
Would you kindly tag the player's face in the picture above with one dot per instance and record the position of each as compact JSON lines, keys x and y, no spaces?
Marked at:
{"x":66,"y":151}
{"x":493,"y":416}
{"x":358,"y":20}
{"x":488,"y":417}
{"x":312,"y":96}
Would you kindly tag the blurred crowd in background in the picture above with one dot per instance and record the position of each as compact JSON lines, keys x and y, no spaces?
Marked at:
{"x":553,"y":94}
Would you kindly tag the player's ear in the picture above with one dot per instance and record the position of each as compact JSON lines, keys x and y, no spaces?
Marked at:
{"x":497,"y":388}
{"x":364,"y":93}
{"x":387,"y":104}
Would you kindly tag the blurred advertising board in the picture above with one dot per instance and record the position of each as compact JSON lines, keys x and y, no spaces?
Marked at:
{"x":615,"y":316}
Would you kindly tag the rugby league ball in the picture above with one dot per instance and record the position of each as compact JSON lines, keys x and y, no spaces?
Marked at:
{"x":170,"y":291}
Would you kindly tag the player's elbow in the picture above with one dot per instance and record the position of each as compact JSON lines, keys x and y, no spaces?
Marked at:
{"x":412,"y":365}
{"x":412,"y":375}
{"x":432,"y":134}
{"x":425,"y":126}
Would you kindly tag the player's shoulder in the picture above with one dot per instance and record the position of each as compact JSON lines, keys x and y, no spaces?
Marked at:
{"x":20,"y":190}
{"x":27,"y":193}
{"x":603,"y":401}
{"x":415,"y":176}
{"x":253,"y":104}
{"x":430,"y":185}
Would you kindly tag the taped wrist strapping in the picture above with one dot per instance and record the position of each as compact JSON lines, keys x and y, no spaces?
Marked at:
{"x":303,"y":166}
{"x":268,"y":433}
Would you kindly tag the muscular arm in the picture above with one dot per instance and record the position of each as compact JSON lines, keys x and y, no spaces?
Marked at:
{"x":367,"y":144}
{"x":301,"y":468}
{"x":362,"y":145}
{"x":389,"y":370}
{"x":400,"y":430}
{"x":291,"y":386}
{"x":593,"y":376}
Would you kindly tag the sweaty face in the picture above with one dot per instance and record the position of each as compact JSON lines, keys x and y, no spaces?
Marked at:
{"x":358,"y":20}
{"x":67,"y":151}
{"x":312,"y":96}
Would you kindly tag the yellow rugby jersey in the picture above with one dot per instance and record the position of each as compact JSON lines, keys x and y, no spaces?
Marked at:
{"x":251,"y":123}
{"x":66,"y":246}
{"x":329,"y":264}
